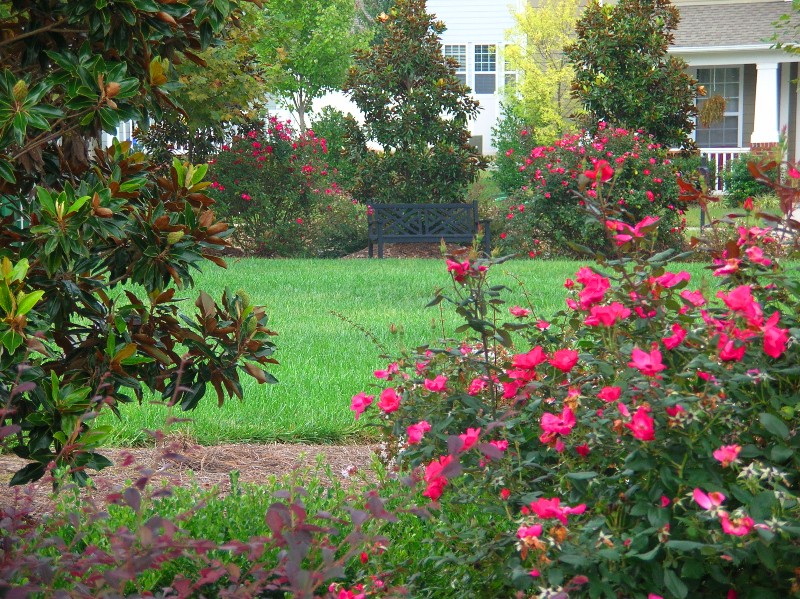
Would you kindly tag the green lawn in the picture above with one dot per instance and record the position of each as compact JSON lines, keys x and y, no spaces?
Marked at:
{"x":324,"y":361}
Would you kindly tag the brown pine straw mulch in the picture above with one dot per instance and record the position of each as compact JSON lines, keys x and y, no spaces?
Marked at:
{"x":181,"y":463}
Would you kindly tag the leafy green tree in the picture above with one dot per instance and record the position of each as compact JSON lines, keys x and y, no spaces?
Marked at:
{"x":623,"y":74}
{"x":542,"y":96}
{"x":416,"y":110}
{"x":85,"y":225}
{"x":306,"y":50}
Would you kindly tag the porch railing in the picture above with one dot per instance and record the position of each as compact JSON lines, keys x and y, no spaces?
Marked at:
{"x":718,"y":160}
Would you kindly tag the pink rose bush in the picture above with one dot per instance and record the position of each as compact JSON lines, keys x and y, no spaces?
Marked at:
{"x":643,"y":444}
{"x":545,"y":214}
{"x":275,"y":184}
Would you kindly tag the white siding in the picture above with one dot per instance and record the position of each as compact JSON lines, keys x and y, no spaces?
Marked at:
{"x":480,"y":21}
{"x":471,"y":22}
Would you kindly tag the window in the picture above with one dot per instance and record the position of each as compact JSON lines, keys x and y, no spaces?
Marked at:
{"x":485,"y":68}
{"x":459,"y":53}
{"x":726,"y":82}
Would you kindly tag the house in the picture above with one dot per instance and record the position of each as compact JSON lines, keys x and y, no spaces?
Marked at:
{"x":475,"y":37}
{"x":723,"y":41}
{"x":726,"y":46}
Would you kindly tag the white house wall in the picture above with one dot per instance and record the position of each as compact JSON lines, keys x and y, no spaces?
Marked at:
{"x":471,"y":22}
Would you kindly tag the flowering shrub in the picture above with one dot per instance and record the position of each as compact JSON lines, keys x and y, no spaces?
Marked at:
{"x":643,"y":443}
{"x":268,"y":182}
{"x":551,"y":206}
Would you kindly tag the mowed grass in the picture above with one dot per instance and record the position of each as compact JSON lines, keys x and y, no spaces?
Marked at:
{"x":324,"y":360}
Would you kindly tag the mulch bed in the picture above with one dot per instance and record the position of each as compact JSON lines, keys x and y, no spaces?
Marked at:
{"x":182,"y":464}
{"x":407,"y":250}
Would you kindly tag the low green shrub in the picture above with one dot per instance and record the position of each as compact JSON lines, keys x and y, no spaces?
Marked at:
{"x":346,"y":145}
{"x":268,"y":182}
{"x":740,"y":183}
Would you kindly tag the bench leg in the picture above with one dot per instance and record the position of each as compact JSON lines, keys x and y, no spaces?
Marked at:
{"x":380,"y":249}
{"x":370,"y":249}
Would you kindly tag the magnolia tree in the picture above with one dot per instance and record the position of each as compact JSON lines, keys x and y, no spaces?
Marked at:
{"x":633,"y":82}
{"x":642,"y":442}
{"x":83,"y":226}
{"x":416,"y":110}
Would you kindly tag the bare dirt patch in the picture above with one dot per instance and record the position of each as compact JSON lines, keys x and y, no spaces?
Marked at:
{"x":184,"y":464}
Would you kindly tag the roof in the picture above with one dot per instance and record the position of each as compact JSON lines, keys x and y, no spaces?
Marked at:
{"x":720,"y":25}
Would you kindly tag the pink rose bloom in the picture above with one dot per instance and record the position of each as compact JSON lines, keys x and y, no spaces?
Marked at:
{"x":530,"y":360}
{"x":519,"y":312}
{"x":775,"y":339}
{"x":607,"y":316}
{"x":737,"y":527}
{"x":416,"y":431}
{"x":360,"y":402}
{"x":529,"y":531}
{"x":641,"y":425}
{"x":500,"y":444}
{"x":469,"y":438}
{"x":710,"y":501}
{"x":756,"y":254}
{"x":477,"y":385}
{"x":389,"y":400}
{"x":693,"y":297}
{"x":434,"y":478}
{"x":391,"y":369}
{"x":728,"y":351}
{"x":609,"y":394}
{"x":671,"y":279}
{"x":677,"y":337}
{"x":649,"y":364}
{"x":564,"y":359}
{"x":437,"y":385}
{"x":459,"y":270}
{"x":561,"y":425}
{"x":551,"y":508}
{"x":727,"y":454}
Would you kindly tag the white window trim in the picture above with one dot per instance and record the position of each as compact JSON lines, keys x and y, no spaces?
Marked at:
{"x":497,"y":72}
{"x":740,"y":113}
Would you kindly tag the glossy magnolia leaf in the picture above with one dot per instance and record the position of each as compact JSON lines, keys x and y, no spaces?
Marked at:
{"x":26,"y":302}
{"x":7,"y":172}
{"x":27,"y":474}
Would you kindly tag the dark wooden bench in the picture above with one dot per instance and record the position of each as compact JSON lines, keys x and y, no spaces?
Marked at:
{"x":421,"y":223}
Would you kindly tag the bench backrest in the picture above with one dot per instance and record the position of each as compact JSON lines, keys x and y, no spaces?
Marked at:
{"x":424,"y":220}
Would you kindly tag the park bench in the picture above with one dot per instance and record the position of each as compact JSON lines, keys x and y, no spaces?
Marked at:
{"x":421,"y":223}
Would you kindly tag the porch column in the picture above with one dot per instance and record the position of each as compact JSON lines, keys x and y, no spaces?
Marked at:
{"x":765,"y":124}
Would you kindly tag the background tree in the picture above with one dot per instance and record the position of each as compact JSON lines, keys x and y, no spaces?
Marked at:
{"x":306,"y":50}
{"x":221,"y":89}
{"x":416,"y":110}
{"x":623,"y":74}
{"x":541,"y":97}
{"x":87,"y":225}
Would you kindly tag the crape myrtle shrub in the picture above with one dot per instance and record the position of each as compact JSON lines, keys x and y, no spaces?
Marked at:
{"x":549,"y":213}
{"x":84,"y":226}
{"x":643,"y":442}
{"x":272,"y":183}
